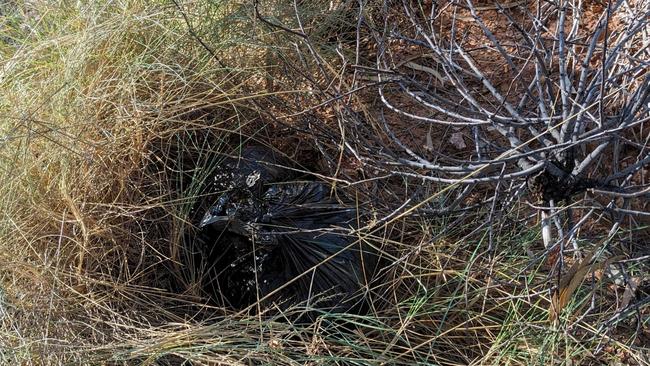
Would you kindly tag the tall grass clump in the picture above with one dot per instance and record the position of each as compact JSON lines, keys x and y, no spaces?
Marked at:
{"x":102,"y":105}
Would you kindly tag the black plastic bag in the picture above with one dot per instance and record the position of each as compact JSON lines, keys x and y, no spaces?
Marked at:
{"x":286,"y":243}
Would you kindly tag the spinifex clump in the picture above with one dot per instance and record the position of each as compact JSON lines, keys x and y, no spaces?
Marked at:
{"x":272,"y":238}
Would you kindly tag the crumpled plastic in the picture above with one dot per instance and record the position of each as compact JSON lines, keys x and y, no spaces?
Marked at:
{"x":273,"y":239}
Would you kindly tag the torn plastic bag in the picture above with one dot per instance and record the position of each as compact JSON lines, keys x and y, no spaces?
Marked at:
{"x":243,"y":180}
{"x":313,"y":237}
{"x":291,"y":245}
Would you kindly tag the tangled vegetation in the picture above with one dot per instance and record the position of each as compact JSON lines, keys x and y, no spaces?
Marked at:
{"x":499,"y":153}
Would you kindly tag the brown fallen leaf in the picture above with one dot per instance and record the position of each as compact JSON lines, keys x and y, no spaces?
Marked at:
{"x":569,"y":282}
{"x":426,"y":69}
{"x":630,"y":292}
{"x":429,"y":146}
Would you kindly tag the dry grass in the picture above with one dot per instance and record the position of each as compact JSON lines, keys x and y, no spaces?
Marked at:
{"x":111,"y":116}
